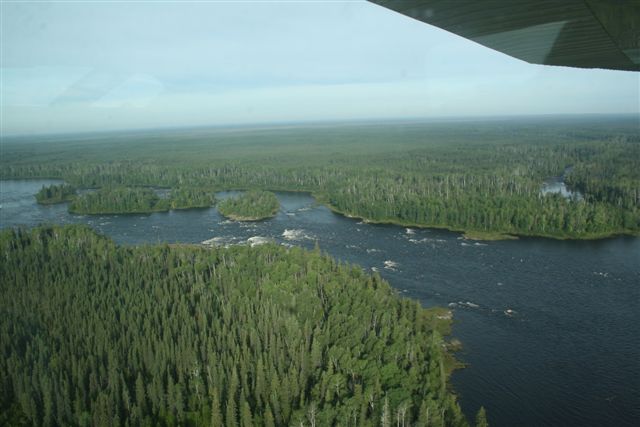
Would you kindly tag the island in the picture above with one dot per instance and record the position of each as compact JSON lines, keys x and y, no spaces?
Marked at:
{"x":119,"y":200}
{"x":124,"y":200}
{"x":190,"y":198}
{"x":103,"y":334}
{"x":252,"y":205}
{"x":53,"y":194}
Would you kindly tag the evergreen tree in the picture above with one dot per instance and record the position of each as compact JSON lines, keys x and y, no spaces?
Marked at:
{"x":481,"y":418}
{"x":231,"y":416}
{"x":216,"y":415}
{"x":246,"y":420}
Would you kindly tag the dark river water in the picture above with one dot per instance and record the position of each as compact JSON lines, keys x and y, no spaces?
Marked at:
{"x":568,"y":354}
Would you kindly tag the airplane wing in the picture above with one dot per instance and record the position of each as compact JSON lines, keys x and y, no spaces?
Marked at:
{"x":572,"y":33}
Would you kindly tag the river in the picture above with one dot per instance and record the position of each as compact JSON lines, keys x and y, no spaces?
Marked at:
{"x":568,"y":352}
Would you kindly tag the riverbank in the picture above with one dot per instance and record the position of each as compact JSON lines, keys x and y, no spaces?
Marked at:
{"x":321,"y":198}
{"x":241,"y":218}
{"x":473,"y":234}
{"x":55,"y":201}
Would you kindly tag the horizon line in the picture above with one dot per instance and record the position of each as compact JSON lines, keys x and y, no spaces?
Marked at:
{"x":307,"y":123}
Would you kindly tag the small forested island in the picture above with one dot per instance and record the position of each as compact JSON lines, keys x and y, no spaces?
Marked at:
{"x":252,"y":205}
{"x":188,"y":198}
{"x":99,"y":334}
{"x":119,"y":200}
{"x":53,"y":194}
{"x":122,"y":200}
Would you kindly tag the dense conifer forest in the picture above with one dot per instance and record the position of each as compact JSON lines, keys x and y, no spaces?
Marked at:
{"x":120,"y":200}
{"x":471,"y":176}
{"x":116,"y":200}
{"x":188,"y":198}
{"x":106,"y":335}
{"x":251,"y":205}
{"x":52,"y":194}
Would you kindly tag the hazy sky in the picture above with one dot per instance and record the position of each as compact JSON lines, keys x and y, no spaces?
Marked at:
{"x":70,"y":66}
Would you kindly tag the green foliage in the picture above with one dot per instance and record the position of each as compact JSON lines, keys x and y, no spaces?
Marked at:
{"x":472,"y":176}
{"x":187,"y":198}
{"x":216,"y":415}
{"x":481,"y":418}
{"x":55,"y":194}
{"x":251,"y":205}
{"x":99,"y":334}
{"x":140,"y":200}
{"x":119,"y":200}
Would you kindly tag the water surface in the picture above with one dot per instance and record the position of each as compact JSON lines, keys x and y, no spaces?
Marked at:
{"x":566,"y":354}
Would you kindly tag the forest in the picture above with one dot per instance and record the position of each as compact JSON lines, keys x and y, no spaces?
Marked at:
{"x":124,"y":200}
{"x":252,"y":205}
{"x":116,"y":200}
{"x":106,"y":335}
{"x":52,"y":194}
{"x":189,"y":198}
{"x":478,"y":177}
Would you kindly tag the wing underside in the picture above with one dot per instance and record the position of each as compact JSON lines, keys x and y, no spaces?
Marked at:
{"x":573,"y":33}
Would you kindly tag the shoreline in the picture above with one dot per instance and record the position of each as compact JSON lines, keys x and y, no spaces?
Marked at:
{"x":476,"y":235}
{"x":320,"y":198}
{"x":258,"y":196}
{"x":246,"y":218}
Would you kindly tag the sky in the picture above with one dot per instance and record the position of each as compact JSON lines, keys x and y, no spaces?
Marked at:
{"x":110,"y":65}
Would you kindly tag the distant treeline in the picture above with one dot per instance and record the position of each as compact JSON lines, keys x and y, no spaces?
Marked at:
{"x":103,"y":335}
{"x":463,"y":176}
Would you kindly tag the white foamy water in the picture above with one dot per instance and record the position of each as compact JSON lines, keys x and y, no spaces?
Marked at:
{"x":391,"y":265}
{"x":258,"y":240}
{"x":426,"y":240}
{"x":296,"y":234}
{"x":467,"y":304}
{"x":218,"y":241}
